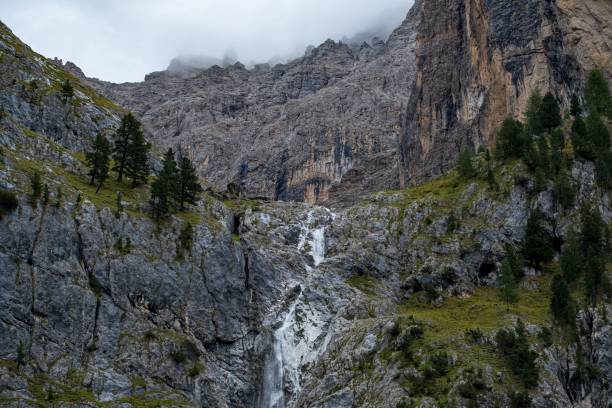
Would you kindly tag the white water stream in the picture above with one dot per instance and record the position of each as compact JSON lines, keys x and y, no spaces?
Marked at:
{"x":281,"y":371}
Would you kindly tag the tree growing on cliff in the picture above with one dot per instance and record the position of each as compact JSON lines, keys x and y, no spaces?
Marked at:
{"x":537,"y":244}
{"x":130,"y":151}
{"x":550,"y":113}
{"x":67,"y":91}
{"x":189,"y":186}
{"x":98,"y":161}
{"x":561,"y":303}
{"x":164,"y":189}
{"x":507,"y":285}
{"x":576,"y":107}
{"x":36,"y":187}
{"x":464,"y":164}
{"x":533,"y":114}
{"x":511,"y":139}
{"x":597,"y":94}
{"x":571,"y":259}
{"x":563,"y":192}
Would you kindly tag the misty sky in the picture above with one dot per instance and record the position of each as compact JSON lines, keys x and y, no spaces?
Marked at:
{"x":122,"y":40}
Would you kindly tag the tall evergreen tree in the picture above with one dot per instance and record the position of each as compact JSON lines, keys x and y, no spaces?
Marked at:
{"x":571,"y":258}
{"x":563,"y":191}
{"x":580,"y":140}
{"x":533,"y":114}
{"x":164,"y":189}
{"x":98,"y":161}
{"x":137,"y":168}
{"x":515,"y":261}
{"x":597,"y":93}
{"x":550,"y":114}
{"x":189,"y":186}
{"x":537,"y":245}
{"x":576,"y":107}
{"x":36,"y":186}
{"x":67,"y":90}
{"x":511,"y":139}
{"x":593,"y":248}
{"x":543,"y":155}
{"x":561,"y":304}
{"x":507,"y":285}
{"x":464,"y":164}
{"x":130,"y":151}
{"x":597,"y":133}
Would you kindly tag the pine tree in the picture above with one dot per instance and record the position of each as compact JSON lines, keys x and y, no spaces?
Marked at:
{"x":98,"y":161}
{"x":576,"y":108}
{"x":511,"y":139}
{"x":45,"y":195}
{"x":164,"y":189}
{"x":36,"y":186}
{"x":598,"y":134}
{"x":593,"y":248}
{"x":597,"y":93}
{"x":130,"y":151}
{"x":515,"y":261}
{"x":580,"y":140}
{"x":137,"y":168}
{"x":189,"y":186}
{"x":533,"y":114}
{"x":550,"y":114}
{"x":543,"y":155}
{"x":67,"y":90}
{"x":561,"y":304}
{"x":537,"y":245}
{"x":58,"y":197}
{"x":464,"y":164}
{"x":122,"y":144}
{"x":563,"y":193}
{"x":571,"y":258}
{"x":507,"y":285}
{"x":491,"y":179}
{"x":557,"y":139}
{"x":525,"y":367}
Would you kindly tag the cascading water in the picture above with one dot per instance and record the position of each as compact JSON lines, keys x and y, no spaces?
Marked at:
{"x":283,"y":363}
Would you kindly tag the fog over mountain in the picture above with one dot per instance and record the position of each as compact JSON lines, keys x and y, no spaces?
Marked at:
{"x":122,"y":41}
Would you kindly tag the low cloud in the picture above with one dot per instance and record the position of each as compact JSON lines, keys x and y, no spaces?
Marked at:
{"x":120,"y":40}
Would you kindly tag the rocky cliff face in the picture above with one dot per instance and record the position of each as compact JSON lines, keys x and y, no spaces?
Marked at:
{"x":329,"y":126}
{"x":271,"y":302}
{"x":289,"y":131}
{"x":478,"y":62}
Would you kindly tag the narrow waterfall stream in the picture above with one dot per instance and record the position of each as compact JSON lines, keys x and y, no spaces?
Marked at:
{"x":282,"y":366}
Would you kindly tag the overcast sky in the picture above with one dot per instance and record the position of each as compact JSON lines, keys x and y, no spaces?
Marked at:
{"x":122,"y":40}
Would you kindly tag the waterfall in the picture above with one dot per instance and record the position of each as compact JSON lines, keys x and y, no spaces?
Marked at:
{"x":282,"y":366}
{"x":283,"y":360}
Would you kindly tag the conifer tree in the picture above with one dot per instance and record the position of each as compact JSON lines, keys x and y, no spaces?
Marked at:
{"x":45,"y":195}
{"x":576,"y":108}
{"x":563,"y":192}
{"x":98,"y":161}
{"x":189,"y":186}
{"x":580,"y":141}
{"x":593,"y":249}
{"x":533,"y":114}
{"x":507,"y":285}
{"x":130,"y":151}
{"x":137,"y":168}
{"x":511,"y":139}
{"x":67,"y":90}
{"x":36,"y":186}
{"x":598,"y":134}
{"x":537,"y":245}
{"x":597,"y":93}
{"x":515,"y":261}
{"x":550,"y":114}
{"x":164,"y":189}
{"x":543,"y":155}
{"x":571,"y":259}
{"x":491,"y":179}
{"x":561,"y":304}
{"x":464,"y":164}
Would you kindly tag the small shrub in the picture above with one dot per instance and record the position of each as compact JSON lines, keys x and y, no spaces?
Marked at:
{"x":519,"y":399}
{"x":440,"y":362}
{"x":178,"y":356}
{"x":195,"y":370}
{"x":474,"y":334}
{"x":149,"y":335}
